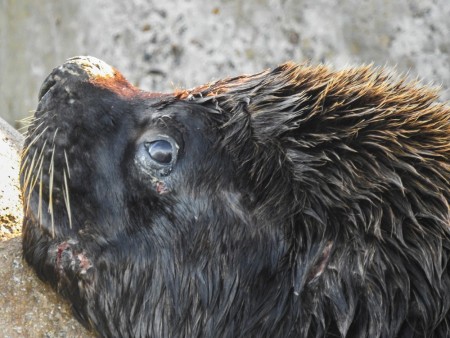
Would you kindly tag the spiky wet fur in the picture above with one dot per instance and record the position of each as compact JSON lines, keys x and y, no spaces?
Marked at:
{"x":321,"y":209}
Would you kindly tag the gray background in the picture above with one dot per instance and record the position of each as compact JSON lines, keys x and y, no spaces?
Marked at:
{"x":163,"y":45}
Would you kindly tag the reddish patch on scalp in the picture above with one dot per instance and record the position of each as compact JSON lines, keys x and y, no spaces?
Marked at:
{"x":117,"y":84}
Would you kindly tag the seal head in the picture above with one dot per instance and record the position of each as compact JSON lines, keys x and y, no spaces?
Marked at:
{"x":299,"y":201}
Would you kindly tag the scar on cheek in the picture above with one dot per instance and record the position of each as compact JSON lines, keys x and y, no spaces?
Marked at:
{"x":68,"y":257}
{"x":61,"y":249}
{"x":84,"y":263}
{"x":161,"y":188}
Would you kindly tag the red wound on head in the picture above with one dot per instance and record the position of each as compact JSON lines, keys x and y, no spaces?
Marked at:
{"x":161,"y":188}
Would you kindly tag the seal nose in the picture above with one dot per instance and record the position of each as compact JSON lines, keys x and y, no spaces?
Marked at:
{"x":79,"y":68}
{"x":48,"y":83}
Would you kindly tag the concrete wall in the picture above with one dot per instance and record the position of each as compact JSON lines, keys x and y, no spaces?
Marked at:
{"x":159,"y":45}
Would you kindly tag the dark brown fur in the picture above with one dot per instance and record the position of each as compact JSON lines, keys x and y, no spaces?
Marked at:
{"x":302,"y":201}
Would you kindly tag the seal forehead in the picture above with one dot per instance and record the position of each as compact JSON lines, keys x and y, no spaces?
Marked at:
{"x":100,"y":74}
{"x":94,"y":67}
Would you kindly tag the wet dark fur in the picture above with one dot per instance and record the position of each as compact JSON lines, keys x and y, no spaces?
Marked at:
{"x":304,"y":202}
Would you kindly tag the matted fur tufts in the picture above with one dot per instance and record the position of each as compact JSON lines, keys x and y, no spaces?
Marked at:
{"x":358,"y":158}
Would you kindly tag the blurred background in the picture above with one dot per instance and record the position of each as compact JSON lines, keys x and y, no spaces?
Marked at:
{"x":162,"y":45}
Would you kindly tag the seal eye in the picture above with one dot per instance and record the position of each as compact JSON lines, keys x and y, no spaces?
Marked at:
{"x":161,"y":151}
{"x":156,"y":154}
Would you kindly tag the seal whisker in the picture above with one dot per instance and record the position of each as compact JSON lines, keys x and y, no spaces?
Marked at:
{"x":67,"y":199}
{"x":30,"y":178}
{"x":33,"y":141}
{"x":29,"y":117}
{"x":29,"y":174}
{"x":25,"y":189}
{"x":39,"y":163}
{"x":54,"y":137}
{"x":41,"y":153}
{"x":24,"y":165}
{"x":34,"y":129}
{"x":25,"y":127}
{"x":67,"y":163}
{"x":27,"y":121}
{"x":50,"y":198}
{"x":39,"y":215}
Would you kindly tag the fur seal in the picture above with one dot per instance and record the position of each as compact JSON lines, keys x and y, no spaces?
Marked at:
{"x":296,"y":202}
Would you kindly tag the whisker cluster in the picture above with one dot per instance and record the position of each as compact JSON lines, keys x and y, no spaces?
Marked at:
{"x":33,"y":166}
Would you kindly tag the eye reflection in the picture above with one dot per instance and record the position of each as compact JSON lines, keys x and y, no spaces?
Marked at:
{"x":161,"y":151}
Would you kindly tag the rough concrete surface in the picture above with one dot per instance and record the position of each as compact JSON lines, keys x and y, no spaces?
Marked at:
{"x":29,"y":308}
{"x":160,"y":45}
